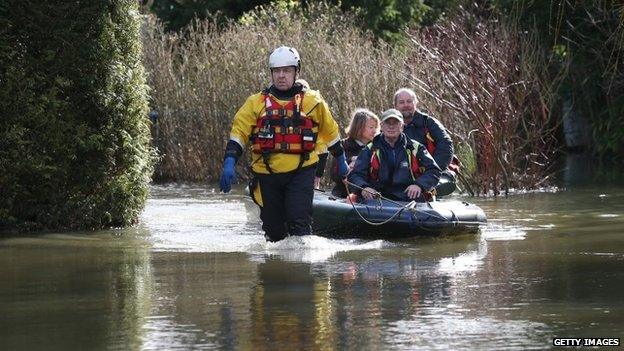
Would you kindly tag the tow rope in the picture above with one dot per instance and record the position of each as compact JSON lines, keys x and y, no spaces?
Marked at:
{"x":411,"y":206}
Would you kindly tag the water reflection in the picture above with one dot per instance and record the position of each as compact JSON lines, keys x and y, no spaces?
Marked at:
{"x":197,"y":274}
{"x":371,"y":300}
{"x":285,"y":307}
{"x":63,"y":292}
{"x":200,"y":299}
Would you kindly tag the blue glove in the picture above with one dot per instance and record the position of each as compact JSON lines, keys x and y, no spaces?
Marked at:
{"x":343,"y":168}
{"x":228,"y":174}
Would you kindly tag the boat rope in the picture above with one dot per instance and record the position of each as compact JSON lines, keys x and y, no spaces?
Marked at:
{"x":378,"y":197}
{"x":411,"y":206}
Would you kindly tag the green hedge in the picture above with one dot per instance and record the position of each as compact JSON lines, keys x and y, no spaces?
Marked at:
{"x":74,"y":138}
{"x":587,"y":38}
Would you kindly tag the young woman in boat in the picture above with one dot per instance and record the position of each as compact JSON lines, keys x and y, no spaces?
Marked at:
{"x":362,"y":129}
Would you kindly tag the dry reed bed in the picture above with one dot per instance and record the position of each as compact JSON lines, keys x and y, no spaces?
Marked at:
{"x":475,"y":78}
{"x":488,"y":84}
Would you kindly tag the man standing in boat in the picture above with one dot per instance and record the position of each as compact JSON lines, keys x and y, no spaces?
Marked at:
{"x":430,"y":132}
{"x":394,"y":165}
{"x":285,"y":123}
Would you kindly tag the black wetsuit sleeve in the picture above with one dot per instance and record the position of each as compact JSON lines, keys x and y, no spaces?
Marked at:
{"x":320,"y":166}
{"x":336,"y":149}
{"x":232,"y":149}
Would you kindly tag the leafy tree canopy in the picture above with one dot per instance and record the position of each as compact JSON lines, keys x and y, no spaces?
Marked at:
{"x":385,"y":18}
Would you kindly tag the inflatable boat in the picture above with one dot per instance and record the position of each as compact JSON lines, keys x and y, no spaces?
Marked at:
{"x":337,"y":218}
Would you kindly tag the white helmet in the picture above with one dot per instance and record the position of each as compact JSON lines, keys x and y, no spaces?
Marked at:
{"x":284,"y":56}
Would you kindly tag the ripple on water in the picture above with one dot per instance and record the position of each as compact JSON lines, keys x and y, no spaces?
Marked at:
{"x":312,"y":248}
{"x":608,"y":215}
{"x":443,"y":331}
{"x":199,"y":225}
{"x":218,"y":225}
{"x":464,"y":263}
{"x":498,"y":232}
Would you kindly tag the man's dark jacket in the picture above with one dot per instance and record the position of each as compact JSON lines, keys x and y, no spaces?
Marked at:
{"x":394,"y":172}
{"x":415,"y":129}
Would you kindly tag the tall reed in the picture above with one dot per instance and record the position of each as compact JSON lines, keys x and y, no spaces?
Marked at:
{"x":481,"y":79}
{"x":487,"y":83}
{"x":200,"y":77}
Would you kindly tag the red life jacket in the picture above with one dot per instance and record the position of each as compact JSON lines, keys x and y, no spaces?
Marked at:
{"x":454,"y":164}
{"x":284,"y":128}
{"x":375,"y":162}
{"x":430,"y":142}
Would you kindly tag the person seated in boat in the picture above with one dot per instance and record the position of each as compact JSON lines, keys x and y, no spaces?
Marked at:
{"x":363,"y":127}
{"x":393,"y":165}
{"x":430,"y":132}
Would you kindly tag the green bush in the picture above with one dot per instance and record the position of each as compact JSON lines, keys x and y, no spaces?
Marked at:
{"x":177,"y":14}
{"x":387,"y":19}
{"x":588,"y":38}
{"x":74,"y":139}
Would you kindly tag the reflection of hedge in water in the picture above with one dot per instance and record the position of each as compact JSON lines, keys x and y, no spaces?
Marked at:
{"x":74,"y":144}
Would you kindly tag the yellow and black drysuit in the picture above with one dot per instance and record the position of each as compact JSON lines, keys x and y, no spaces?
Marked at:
{"x":284,"y":129}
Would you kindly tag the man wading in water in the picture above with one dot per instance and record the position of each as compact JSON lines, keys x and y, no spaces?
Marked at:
{"x":284,"y":124}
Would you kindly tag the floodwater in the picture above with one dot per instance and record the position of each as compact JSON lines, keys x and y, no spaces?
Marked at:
{"x":198,"y":274}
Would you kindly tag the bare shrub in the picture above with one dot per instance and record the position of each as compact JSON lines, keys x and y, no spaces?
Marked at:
{"x":199,"y":78}
{"x":482,"y":79}
{"x":486,"y":83}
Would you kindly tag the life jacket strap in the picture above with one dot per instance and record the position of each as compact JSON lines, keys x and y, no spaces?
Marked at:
{"x":265,"y":158}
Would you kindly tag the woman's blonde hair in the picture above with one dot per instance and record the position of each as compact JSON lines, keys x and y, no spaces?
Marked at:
{"x":358,"y":122}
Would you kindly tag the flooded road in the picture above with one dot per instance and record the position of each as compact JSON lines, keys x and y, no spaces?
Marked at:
{"x":198,"y":274}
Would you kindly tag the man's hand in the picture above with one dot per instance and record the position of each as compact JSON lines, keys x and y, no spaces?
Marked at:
{"x":317,"y":182}
{"x":227,"y":177}
{"x":413,"y":191}
{"x":369,"y":193}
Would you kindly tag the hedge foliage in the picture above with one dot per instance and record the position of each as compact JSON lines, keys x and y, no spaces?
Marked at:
{"x":587,"y":37}
{"x":385,"y":18}
{"x":74,"y":136}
